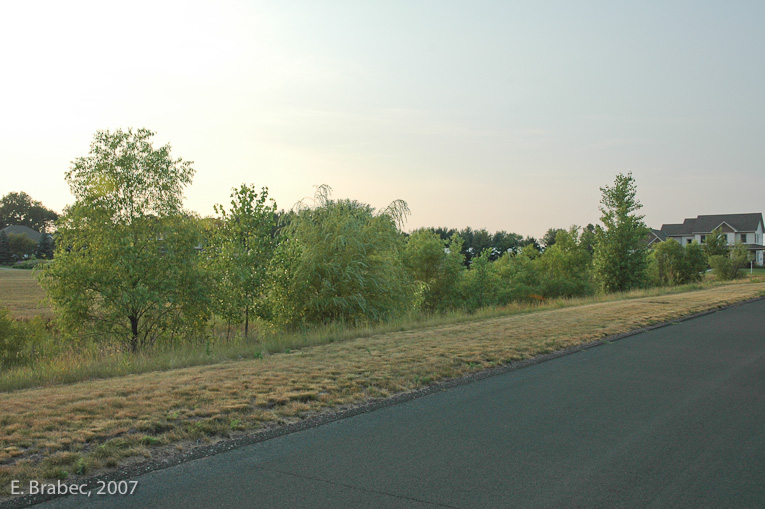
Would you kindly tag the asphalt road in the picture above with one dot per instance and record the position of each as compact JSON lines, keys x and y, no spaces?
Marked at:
{"x":674,"y":417}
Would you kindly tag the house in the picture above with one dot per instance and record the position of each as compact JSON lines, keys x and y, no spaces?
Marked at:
{"x":744,"y":228}
{"x":654,"y":237}
{"x":24,"y":230}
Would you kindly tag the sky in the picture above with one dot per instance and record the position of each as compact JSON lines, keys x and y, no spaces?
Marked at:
{"x":503,"y":115}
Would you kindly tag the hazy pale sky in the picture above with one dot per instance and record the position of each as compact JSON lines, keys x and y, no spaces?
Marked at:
{"x":498,"y":114}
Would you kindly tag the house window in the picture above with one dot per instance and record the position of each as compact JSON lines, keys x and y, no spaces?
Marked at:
{"x":703,"y":239}
{"x":689,"y":240}
{"x":743,"y":237}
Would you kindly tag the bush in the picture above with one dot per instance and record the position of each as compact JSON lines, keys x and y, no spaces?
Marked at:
{"x":726,"y":267}
{"x":436,"y":265}
{"x":673,"y":264}
{"x":29,"y":264}
{"x":15,"y":339}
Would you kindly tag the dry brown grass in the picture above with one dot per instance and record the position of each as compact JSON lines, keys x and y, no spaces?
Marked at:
{"x":22,"y":295}
{"x":74,"y":429}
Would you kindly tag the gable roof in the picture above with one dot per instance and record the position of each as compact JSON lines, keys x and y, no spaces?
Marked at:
{"x":705,"y":224}
{"x":25,"y":230}
{"x":739,"y":222}
{"x":655,"y":236}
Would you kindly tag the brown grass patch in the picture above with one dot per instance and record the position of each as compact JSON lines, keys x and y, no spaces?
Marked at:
{"x":22,"y":295}
{"x":75,"y":429}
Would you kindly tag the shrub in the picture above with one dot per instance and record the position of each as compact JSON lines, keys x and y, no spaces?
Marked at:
{"x":15,"y":338}
{"x":673,"y":264}
{"x":436,"y":265}
{"x":29,"y":264}
{"x":726,"y":267}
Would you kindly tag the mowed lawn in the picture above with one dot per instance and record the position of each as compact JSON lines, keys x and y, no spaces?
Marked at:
{"x":22,"y":295}
{"x":75,"y":430}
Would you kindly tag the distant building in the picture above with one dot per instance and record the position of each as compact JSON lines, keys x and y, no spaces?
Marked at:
{"x":744,"y":228}
{"x":24,"y":230}
{"x":656,"y":236}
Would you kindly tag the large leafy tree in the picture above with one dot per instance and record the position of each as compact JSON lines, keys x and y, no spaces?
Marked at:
{"x":239,"y":251}
{"x":21,"y":209}
{"x":126,"y":259}
{"x":621,"y":255}
{"x":339,"y":260}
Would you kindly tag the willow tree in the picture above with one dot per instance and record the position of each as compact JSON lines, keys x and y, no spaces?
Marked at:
{"x":126,"y":263}
{"x":340,"y":260}
{"x":621,"y":256}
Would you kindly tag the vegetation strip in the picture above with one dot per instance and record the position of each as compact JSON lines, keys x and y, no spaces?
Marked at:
{"x":83,"y":428}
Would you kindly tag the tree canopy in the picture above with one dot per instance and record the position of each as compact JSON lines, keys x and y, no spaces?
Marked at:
{"x":18,"y":208}
{"x":339,"y":260}
{"x":620,"y":257}
{"x":716,"y":243}
{"x":126,"y":261}
{"x":239,"y":251}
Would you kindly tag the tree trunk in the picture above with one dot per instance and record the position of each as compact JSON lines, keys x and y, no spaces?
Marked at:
{"x":246,"y":321}
{"x":134,"y":333}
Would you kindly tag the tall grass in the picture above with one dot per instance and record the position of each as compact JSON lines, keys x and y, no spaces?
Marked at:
{"x":61,"y":362}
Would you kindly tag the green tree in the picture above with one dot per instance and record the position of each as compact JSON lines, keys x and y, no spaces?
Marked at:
{"x":240,"y":251}
{"x":588,"y":238}
{"x":532,"y":243}
{"x":479,"y":286}
{"x":504,"y":242}
{"x":437,"y":265}
{"x":45,"y":247}
{"x":21,"y":246}
{"x":126,"y":259}
{"x":716,"y":243}
{"x":565,"y":266}
{"x":548,"y":240}
{"x":519,"y":276}
{"x":341,"y":261}
{"x":6,"y":257}
{"x":695,"y":263}
{"x":21,"y":209}
{"x":621,"y":258}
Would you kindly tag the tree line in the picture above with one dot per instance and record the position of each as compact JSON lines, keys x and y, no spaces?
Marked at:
{"x":132,"y":264}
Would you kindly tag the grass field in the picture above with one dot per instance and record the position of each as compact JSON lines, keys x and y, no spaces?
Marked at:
{"x":77,"y":429}
{"x":22,"y":295}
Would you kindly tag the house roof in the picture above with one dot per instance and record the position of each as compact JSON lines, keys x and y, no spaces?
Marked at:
{"x":739,"y":222}
{"x":705,"y":224}
{"x":655,"y":236}
{"x":675,"y":229}
{"x":29,"y":232}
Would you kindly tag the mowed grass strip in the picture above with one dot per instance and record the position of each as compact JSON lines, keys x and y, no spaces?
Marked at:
{"x":78,"y":429}
{"x":22,"y":295}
